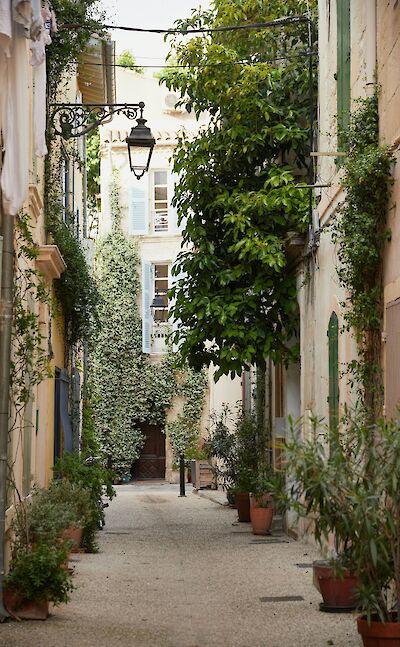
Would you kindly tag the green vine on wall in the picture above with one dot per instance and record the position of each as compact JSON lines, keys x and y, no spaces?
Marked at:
{"x":184,"y":432}
{"x":360,"y":230}
{"x":128,"y":390}
{"x":30,"y":360}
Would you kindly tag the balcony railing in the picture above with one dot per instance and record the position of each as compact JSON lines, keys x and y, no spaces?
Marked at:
{"x":160,"y":221}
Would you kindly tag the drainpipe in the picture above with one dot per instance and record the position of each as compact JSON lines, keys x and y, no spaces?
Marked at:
{"x":6,"y":305}
{"x":371,"y":46}
{"x":84,"y":191}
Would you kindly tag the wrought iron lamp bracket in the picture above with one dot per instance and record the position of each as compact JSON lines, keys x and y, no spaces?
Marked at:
{"x":77,"y":119}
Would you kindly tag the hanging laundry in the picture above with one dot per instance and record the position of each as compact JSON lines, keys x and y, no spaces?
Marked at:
{"x":15,"y":125}
{"x":5,"y":28}
{"x":36,"y":27}
{"x":22,"y":14}
{"x":38,"y":62}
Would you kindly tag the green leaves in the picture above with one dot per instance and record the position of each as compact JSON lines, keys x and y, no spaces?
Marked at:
{"x":360,"y":231}
{"x":237,"y":191}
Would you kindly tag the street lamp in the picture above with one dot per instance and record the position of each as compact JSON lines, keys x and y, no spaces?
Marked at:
{"x":140,"y":146}
{"x":158,"y":301}
{"x":76,"y":119}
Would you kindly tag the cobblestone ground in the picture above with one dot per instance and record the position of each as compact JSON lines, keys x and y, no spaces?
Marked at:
{"x":174,"y":572}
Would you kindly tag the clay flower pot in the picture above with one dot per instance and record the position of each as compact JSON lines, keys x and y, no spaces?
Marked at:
{"x":75,"y":536}
{"x":337,"y":594}
{"x":261,"y":514}
{"x":378,"y":634}
{"x":242,"y":502}
{"x":20,"y":609}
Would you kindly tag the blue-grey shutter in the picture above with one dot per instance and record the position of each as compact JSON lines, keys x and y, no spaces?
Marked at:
{"x":175,"y":323}
{"x":146,"y":313}
{"x":173,"y":226}
{"x":138,"y":210}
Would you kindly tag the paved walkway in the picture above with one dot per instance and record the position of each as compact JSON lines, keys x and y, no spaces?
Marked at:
{"x":176,"y":572}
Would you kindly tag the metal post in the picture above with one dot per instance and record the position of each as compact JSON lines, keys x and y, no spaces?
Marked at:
{"x":182,"y":475}
{"x":6,"y":305}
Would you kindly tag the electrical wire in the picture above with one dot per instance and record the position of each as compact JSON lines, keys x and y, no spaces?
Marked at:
{"x":172,"y":67}
{"x":279,"y":22}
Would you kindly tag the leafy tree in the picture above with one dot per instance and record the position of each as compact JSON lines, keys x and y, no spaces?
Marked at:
{"x":237,"y":190}
{"x":128,"y":60}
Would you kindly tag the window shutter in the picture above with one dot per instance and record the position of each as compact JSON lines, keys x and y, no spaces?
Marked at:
{"x":139,"y":209}
{"x":174,"y":228}
{"x":146,"y":313}
{"x":333,"y":399}
{"x":175,"y":323}
{"x":343,"y":65}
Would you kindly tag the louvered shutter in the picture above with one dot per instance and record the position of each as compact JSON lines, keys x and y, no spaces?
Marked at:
{"x":343,"y":66}
{"x":174,"y":228}
{"x":146,"y":313}
{"x":175,"y":323}
{"x":333,"y":344}
{"x":139,"y":209}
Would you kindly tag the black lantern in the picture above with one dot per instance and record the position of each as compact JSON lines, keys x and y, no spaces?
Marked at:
{"x":140,"y":146}
{"x":158,"y":301}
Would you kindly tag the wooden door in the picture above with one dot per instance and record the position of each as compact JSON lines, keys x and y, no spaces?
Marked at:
{"x":151,"y":464}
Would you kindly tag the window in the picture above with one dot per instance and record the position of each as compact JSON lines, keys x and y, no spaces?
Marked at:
{"x":160,"y":201}
{"x":343,"y":67}
{"x":161,"y":289}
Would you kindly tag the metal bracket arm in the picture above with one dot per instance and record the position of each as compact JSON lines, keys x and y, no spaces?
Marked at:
{"x":77,"y":119}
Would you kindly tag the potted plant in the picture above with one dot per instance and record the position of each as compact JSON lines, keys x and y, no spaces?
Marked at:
{"x":36,"y":577}
{"x":95,"y":480}
{"x":236,"y":457}
{"x":322,"y":473}
{"x":265,"y":486}
{"x":376,"y":516}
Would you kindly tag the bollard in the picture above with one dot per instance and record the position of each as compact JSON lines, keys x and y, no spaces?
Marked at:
{"x":182,"y":475}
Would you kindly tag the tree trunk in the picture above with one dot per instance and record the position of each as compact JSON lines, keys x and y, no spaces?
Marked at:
{"x":263,"y":425}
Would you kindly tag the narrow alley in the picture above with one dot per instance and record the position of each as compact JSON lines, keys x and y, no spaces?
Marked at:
{"x":174,"y":572}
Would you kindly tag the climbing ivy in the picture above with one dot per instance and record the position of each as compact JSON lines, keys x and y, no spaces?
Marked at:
{"x":30,"y":354}
{"x":184,"y":432}
{"x":116,"y":354}
{"x":68,"y":43}
{"x":127,"y":389}
{"x":360,"y":231}
{"x":75,"y":289}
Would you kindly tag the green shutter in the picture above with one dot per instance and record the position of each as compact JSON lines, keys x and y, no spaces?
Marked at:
{"x":333,"y":343}
{"x":343,"y":66}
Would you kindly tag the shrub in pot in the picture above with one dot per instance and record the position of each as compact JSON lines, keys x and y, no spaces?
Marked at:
{"x":45,"y":518}
{"x":322,"y":475}
{"x":35,"y":578}
{"x":266,"y":487}
{"x":63,"y":492}
{"x":89,"y":474}
{"x":236,"y":456}
{"x":375,"y":497}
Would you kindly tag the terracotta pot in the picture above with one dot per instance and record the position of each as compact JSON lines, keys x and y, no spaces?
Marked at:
{"x":242,"y":502}
{"x":378,"y":634}
{"x":21,"y":609}
{"x":75,"y":535}
{"x":336,"y":593}
{"x":261,"y":514}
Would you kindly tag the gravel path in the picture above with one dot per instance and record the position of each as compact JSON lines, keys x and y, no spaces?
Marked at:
{"x":175,"y":572}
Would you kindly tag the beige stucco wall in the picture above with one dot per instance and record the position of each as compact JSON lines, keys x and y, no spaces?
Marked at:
{"x":319,"y":292}
{"x":388,"y":53}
